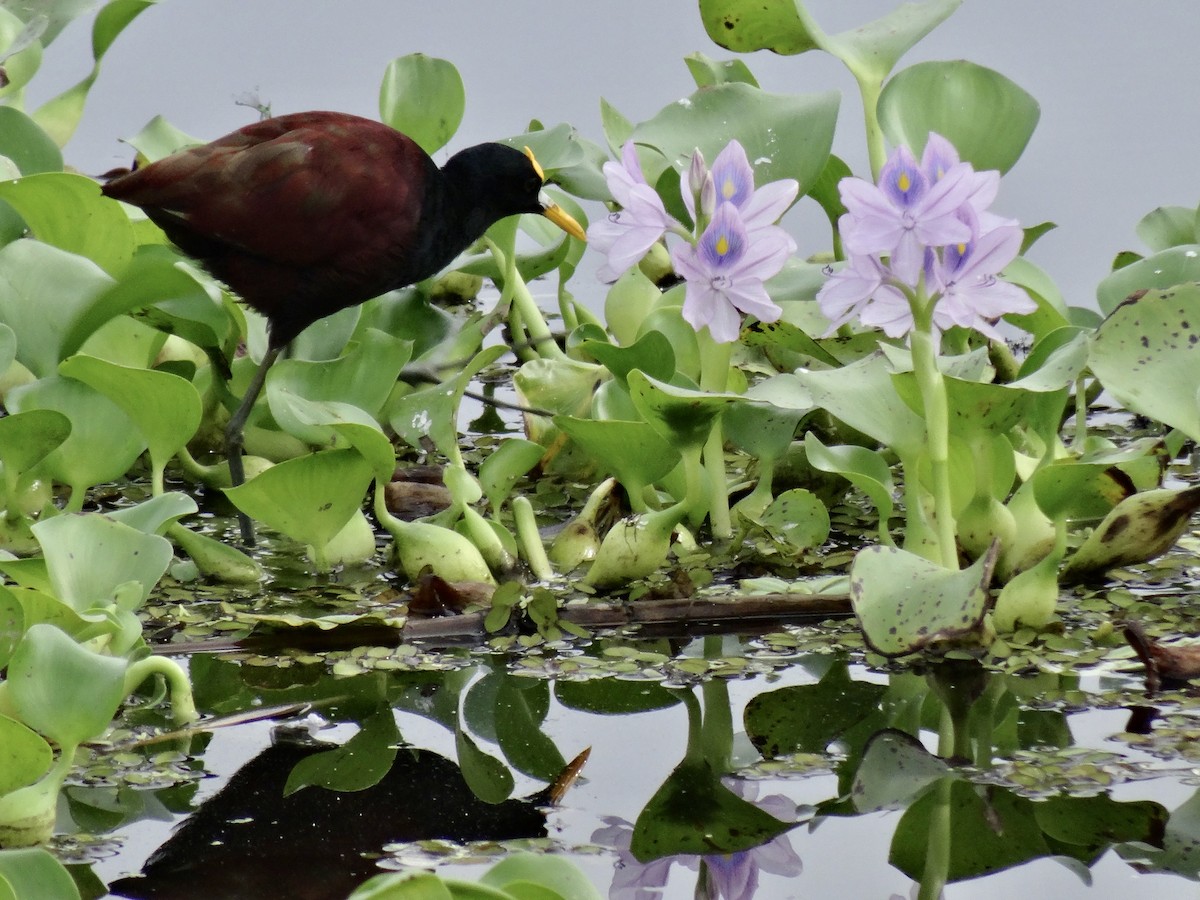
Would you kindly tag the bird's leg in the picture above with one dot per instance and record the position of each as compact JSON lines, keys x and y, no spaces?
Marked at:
{"x":235,"y":435}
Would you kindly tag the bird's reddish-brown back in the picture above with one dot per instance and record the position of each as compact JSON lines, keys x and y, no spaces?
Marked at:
{"x":303,"y":190}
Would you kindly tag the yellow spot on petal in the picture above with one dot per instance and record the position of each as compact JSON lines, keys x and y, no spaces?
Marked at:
{"x":962,"y":248}
{"x":903,"y":182}
{"x":722,"y":245}
{"x":728,"y":188}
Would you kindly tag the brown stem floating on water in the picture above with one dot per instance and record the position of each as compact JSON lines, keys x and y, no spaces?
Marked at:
{"x":685,"y":612}
{"x":1172,"y":662}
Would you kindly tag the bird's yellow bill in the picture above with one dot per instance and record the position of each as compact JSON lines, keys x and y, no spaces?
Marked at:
{"x":564,"y":220}
{"x":553,"y":211}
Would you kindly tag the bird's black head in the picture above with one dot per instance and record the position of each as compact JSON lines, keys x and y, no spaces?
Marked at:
{"x":492,"y":181}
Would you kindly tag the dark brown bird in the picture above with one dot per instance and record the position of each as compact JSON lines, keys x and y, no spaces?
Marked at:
{"x":306,"y":214}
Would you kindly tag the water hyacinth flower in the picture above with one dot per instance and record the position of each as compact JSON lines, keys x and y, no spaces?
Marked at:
{"x":625,"y":236}
{"x":924,"y":234}
{"x":725,"y":272}
{"x":738,"y":249}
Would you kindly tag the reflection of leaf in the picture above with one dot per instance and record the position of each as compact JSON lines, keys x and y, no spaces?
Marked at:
{"x":987,"y":833}
{"x":807,"y":718}
{"x":1180,"y":844}
{"x":486,"y":776}
{"x":520,"y":711}
{"x":1086,"y":826}
{"x":613,"y":696}
{"x":693,"y":813}
{"x":356,"y":765}
{"x":895,"y":768}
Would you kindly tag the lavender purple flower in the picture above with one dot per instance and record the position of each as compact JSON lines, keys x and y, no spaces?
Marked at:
{"x":924,"y":235}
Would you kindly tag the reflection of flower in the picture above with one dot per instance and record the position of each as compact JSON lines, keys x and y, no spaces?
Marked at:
{"x":731,"y":876}
{"x":725,"y":272}
{"x":924,"y":230}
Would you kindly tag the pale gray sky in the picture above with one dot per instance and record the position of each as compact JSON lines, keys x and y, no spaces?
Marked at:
{"x":1116,"y":80}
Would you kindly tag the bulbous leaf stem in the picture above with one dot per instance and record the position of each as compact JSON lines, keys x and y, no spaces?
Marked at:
{"x":714,"y":376}
{"x":183,"y":705}
{"x":530,"y":540}
{"x":937,"y":425}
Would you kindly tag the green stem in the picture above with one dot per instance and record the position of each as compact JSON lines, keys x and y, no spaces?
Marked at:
{"x":937,"y":429}
{"x":541,"y":338}
{"x":183,"y":707}
{"x":714,"y":377}
{"x":1081,"y":412}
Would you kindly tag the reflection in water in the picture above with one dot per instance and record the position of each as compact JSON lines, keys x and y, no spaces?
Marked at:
{"x":249,"y":841}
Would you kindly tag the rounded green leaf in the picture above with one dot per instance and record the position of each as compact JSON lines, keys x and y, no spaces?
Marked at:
{"x":500,"y":471}
{"x":63,"y":690}
{"x":36,"y":277}
{"x":1145,"y":356}
{"x":26,"y":438}
{"x":309,"y":498}
{"x":424,"y":97}
{"x":786,"y":135}
{"x":634,"y":451}
{"x":26,"y":144}
{"x":89,"y":556}
{"x":987,"y":117}
{"x":33,"y":872}
{"x":24,"y":756}
{"x":797,"y":518}
{"x":682,"y":417}
{"x":103,"y":442}
{"x":904,"y":602}
{"x":165,"y":408}
{"x":747,"y":25}
{"x":68,"y":211}
{"x":1176,"y":265}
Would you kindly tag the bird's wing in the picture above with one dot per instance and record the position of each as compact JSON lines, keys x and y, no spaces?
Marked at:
{"x":301,"y":190}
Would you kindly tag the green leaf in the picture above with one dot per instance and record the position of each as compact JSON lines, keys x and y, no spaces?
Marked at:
{"x":69,"y":212}
{"x":651,"y":353}
{"x":554,"y":873}
{"x":24,"y":142}
{"x":797,"y":518}
{"x":26,"y":438}
{"x":872,"y":50}
{"x":904,"y":602}
{"x":864,"y":468}
{"x":60,"y":116}
{"x":62,"y":690}
{"x":500,"y":471}
{"x":707,"y":71}
{"x":747,"y":25}
{"x":682,"y":417}
{"x":165,"y":408}
{"x":88,"y":557}
{"x":784,"y":135}
{"x":33,"y":872}
{"x":24,"y":757}
{"x":1144,"y":355}
{"x":424,"y":97}
{"x":519,"y":713}
{"x":309,"y":498}
{"x":1165,"y":269}
{"x":35,"y":277}
{"x":1168,"y":226}
{"x":862,"y":395}
{"x":988,"y":118}
{"x":103,"y":442}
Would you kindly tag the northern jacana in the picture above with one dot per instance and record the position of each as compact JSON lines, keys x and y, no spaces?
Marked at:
{"x":305,"y":214}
